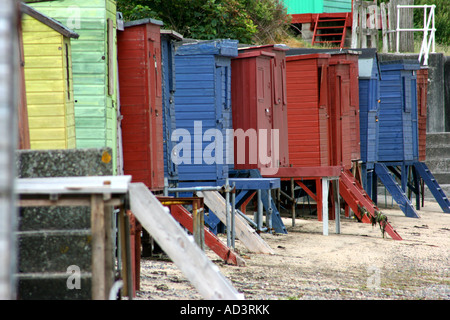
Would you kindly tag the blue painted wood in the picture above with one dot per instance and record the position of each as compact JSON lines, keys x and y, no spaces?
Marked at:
{"x":398,"y":138}
{"x":203,"y":105}
{"x":369,"y":105}
{"x":395,"y":190}
{"x":433,"y":186}
{"x":277,"y":223}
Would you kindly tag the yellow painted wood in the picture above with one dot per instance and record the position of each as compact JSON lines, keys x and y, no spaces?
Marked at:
{"x":47,"y":122}
{"x":46,"y":110}
{"x":49,"y":88}
{"x":37,"y":74}
{"x":42,"y":135}
{"x":43,"y":98}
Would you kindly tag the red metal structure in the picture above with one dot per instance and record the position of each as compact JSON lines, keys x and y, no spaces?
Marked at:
{"x":139,"y":56}
{"x":258,"y":87}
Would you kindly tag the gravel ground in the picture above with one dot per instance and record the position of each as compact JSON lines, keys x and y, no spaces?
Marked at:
{"x":358,"y":264}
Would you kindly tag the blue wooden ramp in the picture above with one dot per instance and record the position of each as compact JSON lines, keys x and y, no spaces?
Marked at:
{"x":433,"y":185}
{"x":395,"y":190}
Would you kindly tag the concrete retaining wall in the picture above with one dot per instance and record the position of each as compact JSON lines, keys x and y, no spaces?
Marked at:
{"x":50,"y":239}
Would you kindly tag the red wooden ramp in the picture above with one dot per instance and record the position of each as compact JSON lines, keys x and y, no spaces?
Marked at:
{"x":355,"y":196}
{"x":185,"y":218}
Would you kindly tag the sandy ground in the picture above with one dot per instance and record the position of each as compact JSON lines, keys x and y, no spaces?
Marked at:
{"x":356,"y":264}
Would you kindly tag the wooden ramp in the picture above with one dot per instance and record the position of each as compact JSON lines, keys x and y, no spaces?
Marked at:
{"x":179,"y":246}
{"x":249,"y":237}
{"x":356,"y":197}
{"x":185,"y":218}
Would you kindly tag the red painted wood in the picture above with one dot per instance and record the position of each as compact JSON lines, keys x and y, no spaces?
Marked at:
{"x":139,"y":57}
{"x":311,"y":17}
{"x":355,"y":196}
{"x":351,"y":60}
{"x":422,"y":90}
{"x":307,"y":95}
{"x":259,"y":97}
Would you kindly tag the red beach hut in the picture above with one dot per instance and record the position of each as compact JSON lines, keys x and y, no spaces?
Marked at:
{"x":139,"y":56}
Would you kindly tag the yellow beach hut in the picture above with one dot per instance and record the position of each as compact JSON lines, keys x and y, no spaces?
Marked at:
{"x":48,"y":80}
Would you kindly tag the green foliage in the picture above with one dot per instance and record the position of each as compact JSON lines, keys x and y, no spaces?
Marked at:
{"x":249,"y":21}
{"x":442,"y":18}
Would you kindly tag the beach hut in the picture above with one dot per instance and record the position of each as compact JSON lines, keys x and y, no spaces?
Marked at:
{"x":307,"y":87}
{"x":323,"y":117}
{"x":48,"y":80}
{"x":94,"y":63}
{"x":258,"y":95}
{"x":272,"y":97}
{"x":393,"y":112}
{"x":203,"y":110}
{"x":139,"y":58}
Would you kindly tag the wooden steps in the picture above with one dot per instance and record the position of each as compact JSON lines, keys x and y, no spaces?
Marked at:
{"x":330,"y":30}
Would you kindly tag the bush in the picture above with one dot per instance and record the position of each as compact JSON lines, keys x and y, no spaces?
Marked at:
{"x":249,"y":21}
{"x":442,"y":19}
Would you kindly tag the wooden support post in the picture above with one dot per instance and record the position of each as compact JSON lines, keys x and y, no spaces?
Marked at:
{"x":293,"y":201}
{"x":319,"y":198}
{"x":199,"y":231}
{"x":279,"y":199}
{"x":269,"y":212}
{"x":337,"y":205}
{"x":109,"y":242}
{"x":244,"y":232}
{"x":355,"y":9}
{"x":325,"y":183}
{"x":98,"y":247}
{"x":259,"y":215}
{"x":125,"y":254}
{"x":363,"y":29}
{"x":392,"y":14}
{"x":384,"y":27}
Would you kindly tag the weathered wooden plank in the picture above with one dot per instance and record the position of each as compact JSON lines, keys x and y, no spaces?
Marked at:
{"x":73,"y":185}
{"x":99,"y":289}
{"x":180,"y":247}
{"x":244,"y":232}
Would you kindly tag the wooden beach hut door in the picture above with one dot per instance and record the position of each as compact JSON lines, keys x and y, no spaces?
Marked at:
{"x":339,"y":111}
{"x":265,"y":69}
{"x":155,"y":100}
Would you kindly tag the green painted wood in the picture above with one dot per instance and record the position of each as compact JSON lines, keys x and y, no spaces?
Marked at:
{"x":95,"y":108}
{"x":333,"y":6}
{"x":304,"y":6}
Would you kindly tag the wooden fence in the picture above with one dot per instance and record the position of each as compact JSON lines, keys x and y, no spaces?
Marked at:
{"x":371,"y":21}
